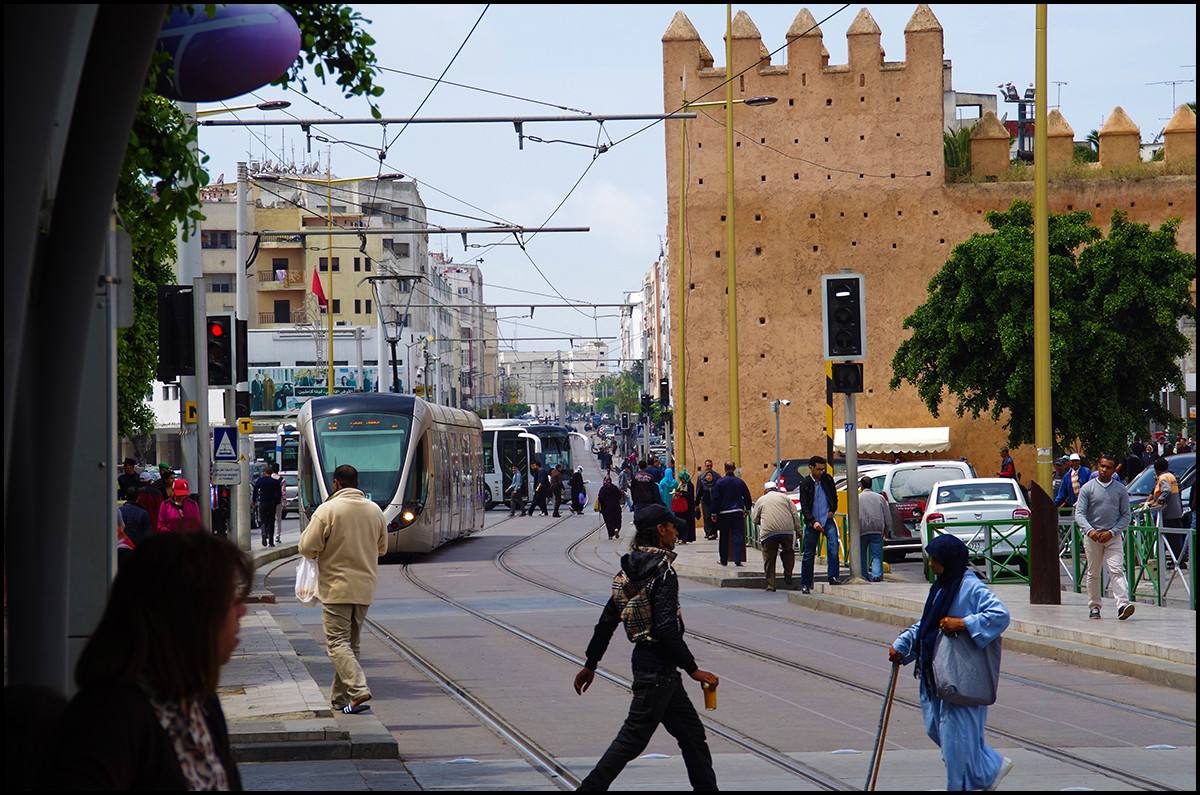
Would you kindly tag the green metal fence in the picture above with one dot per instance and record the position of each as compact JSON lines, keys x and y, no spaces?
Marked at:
{"x":1000,"y":547}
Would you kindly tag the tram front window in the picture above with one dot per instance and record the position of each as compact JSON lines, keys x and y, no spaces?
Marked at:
{"x":374,"y":444}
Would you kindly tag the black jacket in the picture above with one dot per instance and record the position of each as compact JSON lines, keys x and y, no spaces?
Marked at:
{"x":667,"y":649}
{"x":807,"y":494}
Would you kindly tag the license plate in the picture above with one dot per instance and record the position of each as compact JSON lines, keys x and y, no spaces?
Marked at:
{"x":976,"y":544}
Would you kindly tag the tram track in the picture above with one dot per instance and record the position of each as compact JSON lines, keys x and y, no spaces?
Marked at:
{"x":1031,"y":744}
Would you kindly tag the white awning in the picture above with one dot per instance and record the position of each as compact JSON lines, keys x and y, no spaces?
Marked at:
{"x":896,"y":440}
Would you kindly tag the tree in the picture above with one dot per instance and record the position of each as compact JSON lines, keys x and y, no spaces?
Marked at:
{"x":160,"y":183}
{"x":1115,"y":304}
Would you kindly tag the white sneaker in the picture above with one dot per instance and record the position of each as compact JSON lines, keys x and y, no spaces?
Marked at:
{"x":1005,"y":765}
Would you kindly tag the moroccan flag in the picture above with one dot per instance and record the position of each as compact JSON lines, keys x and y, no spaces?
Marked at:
{"x":318,"y":292}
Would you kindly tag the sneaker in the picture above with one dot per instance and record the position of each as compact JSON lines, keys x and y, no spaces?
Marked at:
{"x":1094,"y":613}
{"x":805,"y":589}
{"x":1005,"y":766}
{"x":1125,"y":612}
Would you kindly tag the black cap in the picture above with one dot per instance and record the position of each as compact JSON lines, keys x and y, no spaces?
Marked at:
{"x":653,"y":515}
{"x":129,"y":462}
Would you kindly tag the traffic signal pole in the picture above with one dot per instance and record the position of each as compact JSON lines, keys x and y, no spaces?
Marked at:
{"x":202,"y":486}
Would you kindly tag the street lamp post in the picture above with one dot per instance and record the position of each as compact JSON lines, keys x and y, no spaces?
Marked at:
{"x":775,"y":404}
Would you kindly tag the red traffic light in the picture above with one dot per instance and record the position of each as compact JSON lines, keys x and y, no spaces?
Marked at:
{"x":216,"y":330}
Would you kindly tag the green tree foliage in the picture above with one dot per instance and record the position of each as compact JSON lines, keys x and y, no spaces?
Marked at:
{"x":159,"y":186}
{"x":956,"y":149}
{"x":1115,"y":303}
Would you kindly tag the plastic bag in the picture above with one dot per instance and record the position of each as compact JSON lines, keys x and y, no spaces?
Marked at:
{"x":306,"y":582}
{"x":963,"y":673}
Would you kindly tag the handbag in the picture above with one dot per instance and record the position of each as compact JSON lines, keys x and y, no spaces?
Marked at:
{"x":596,"y":505}
{"x":963,"y":673}
{"x":679,"y":505}
{"x":306,"y":581}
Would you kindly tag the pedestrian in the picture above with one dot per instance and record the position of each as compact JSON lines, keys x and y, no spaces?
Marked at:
{"x":174,"y":513}
{"x":166,"y":476}
{"x":610,"y":499}
{"x":516,"y":492}
{"x":1073,"y":480}
{"x":648,"y":581}
{"x":1166,"y":501}
{"x":667,"y":486}
{"x":655,"y":469}
{"x":731,"y":503}
{"x":1007,"y":468}
{"x":150,"y":498}
{"x":128,"y":477}
{"x":1102,"y":514}
{"x":556,"y":488}
{"x":1132,"y":466}
{"x":818,"y":503}
{"x":683,"y":505}
{"x":1060,"y":469}
{"x":267,"y":493}
{"x":347,"y":535}
{"x":578,"y":491}
{"x":624,"y":480}
{"x":778,"y":525}
{"x":958,"y":601}
{"x":704,"y":486}
{"x":643,"y":489}
{"x":874,"y":520}
{"x":138,"y":524}
{"x":541,"y":488}
{"x":146,"y":715}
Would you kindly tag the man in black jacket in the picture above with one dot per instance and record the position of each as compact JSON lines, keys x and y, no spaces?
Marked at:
{"x":658,"y":693}
{"x":818,"y":507}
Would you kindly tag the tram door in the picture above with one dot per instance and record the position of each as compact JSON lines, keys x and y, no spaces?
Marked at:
{"x":515,"y":452}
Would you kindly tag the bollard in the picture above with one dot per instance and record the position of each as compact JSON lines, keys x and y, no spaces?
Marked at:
{"x":1042,"y":548}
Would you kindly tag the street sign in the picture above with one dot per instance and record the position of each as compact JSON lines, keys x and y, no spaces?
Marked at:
{"x":245,"y":425}
{"x":190,"y":412}
{"x":226,"y":473}
{"x":224,"y":443}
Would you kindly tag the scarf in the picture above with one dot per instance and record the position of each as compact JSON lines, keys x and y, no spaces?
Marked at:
{"x":953,"y":555}
{"x":185,"y":724}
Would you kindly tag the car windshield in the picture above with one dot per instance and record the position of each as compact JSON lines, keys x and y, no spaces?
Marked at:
{"x":976,"y":492}
{"x":915,"y":484}
{"x":1178,"y":465}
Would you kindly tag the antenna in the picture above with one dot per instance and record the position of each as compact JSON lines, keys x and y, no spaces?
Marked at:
{"x":1058,"y":98}
{"x":1172,"y":84}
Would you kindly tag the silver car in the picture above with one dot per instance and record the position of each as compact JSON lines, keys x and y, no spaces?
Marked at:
{"x":993,"y":503}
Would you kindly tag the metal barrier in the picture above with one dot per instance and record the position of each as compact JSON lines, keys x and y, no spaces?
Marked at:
{"x":1012,"y":561}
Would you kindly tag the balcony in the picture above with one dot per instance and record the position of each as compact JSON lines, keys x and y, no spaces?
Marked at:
{"x":270,"y":280}
{"x":296,"y":317}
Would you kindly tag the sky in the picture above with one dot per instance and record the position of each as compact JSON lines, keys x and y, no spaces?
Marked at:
{"x":563,"y":59}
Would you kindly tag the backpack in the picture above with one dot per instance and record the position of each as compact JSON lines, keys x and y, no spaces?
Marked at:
{"x":632,"y":598}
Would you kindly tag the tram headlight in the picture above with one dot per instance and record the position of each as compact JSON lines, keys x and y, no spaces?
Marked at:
{"x":408,"y":514}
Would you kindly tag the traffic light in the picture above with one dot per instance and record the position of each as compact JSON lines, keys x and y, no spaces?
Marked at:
{"x":847,"y":377}
{"x":624,"y":419}
{"x":844,"y":317}
{"x":646,"y":408}
{"x":664,"y":393}
{"x":221,"y":345}
{"x":176,"y":335}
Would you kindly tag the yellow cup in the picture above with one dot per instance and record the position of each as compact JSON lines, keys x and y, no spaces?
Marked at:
{"x":710,"y":695}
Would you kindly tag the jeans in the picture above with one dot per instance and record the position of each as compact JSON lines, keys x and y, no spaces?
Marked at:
{"x":807,"y":562}
{"x":266,"y":523}
{"x":873,"y":543}
{"x":658,"y":698}
{"x":731,"y":534}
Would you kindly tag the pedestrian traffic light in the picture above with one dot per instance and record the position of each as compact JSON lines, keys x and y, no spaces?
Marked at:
{"x":847,"y":377}
{"x":221,"y":345}
{"x":844,"y":317}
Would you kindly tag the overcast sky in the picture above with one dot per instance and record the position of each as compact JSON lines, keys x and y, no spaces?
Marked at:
{"x":607,"y":59}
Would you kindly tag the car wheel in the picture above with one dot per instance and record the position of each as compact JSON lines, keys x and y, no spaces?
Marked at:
{"x":893,"y":555}
{"x":488,"y":502}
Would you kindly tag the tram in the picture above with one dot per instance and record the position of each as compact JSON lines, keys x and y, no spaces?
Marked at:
{"x":420,"y":462}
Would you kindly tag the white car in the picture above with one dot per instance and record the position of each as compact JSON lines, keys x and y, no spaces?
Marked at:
{"x":993,"y":502}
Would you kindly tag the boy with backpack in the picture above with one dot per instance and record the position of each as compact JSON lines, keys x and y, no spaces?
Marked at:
{"x":645,"y":598}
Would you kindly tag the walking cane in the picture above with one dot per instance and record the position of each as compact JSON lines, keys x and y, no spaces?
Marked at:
{"x":877,"y":756}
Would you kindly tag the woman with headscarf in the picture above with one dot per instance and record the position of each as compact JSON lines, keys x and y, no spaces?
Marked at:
{"x":610,"y":499}
{"x":578,"y":492}
{"x":667,"y":486}
{"x":683,"y":505}
{"x":958,"y":601}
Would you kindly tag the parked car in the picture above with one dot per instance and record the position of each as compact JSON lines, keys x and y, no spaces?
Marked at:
{"x":790,"y":471}
{"x":987,"y":500}
{"x":906,"y":487}
{"x":1182,"y":466}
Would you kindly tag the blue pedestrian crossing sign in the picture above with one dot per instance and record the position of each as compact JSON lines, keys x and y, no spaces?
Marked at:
{"x":224,"y":444}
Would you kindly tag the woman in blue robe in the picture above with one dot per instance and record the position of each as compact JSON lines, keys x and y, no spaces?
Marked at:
{"x":958,"y":602}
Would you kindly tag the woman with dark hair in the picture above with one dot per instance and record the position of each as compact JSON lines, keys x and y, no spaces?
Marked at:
{"x":683,"y":505}
{"x":958,"y":601}
{"x":610,"y":499}
{"x":147,"y":715}
{"x":578,"y":492}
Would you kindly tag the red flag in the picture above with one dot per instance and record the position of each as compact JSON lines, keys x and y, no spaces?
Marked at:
{"x":318,"y":292}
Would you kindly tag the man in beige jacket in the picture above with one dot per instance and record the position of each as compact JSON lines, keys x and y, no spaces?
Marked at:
{"x":777,"y":520}
{"x":347,"y":535}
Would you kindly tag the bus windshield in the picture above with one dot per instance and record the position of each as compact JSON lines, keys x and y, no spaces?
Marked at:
{"x":374,"y":444}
